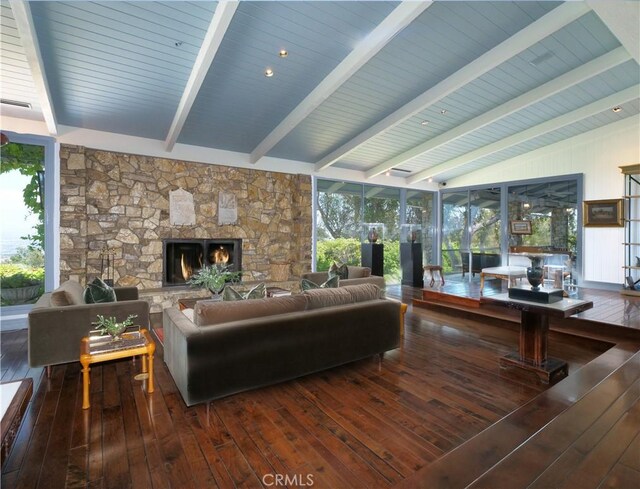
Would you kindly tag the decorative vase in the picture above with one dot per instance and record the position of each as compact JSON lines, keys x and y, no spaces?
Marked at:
{"x":535,"y":272}
{"x":115,"y":330}
{"x":373,"y":236}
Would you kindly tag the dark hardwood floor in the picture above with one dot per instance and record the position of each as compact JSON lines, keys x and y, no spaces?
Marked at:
{"x":360,"y":425}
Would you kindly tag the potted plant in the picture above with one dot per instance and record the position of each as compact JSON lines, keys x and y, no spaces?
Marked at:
{"x":214,"y":278}
{"x":19,"y":284}
{"x":111,"y":325}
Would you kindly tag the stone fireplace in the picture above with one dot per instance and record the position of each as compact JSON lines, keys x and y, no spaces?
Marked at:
{"x":123,"y":201}
{"x":184,"y":257}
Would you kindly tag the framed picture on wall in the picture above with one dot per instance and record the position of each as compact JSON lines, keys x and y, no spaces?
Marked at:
{"x":520,"y":227}
{"x":603,"y":213}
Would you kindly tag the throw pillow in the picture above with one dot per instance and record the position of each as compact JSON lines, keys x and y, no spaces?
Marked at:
{"x":329,"y":284}
{"x":257,"y":292}
{"x":341,"y":271}
{"x":68,"y":294}
{"x":97,"y":292}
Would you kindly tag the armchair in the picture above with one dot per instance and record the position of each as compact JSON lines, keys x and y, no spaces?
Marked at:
{"x":55,"y":331}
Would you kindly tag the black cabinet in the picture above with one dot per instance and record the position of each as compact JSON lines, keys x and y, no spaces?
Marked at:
{"x":373,"y":257}
{"x":411,"y":263}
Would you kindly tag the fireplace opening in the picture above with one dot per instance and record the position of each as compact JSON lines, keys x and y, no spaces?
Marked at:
{"x":184,"y":257}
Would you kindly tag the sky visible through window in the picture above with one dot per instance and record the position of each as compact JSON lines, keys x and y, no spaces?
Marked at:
{"x":15,"y":218}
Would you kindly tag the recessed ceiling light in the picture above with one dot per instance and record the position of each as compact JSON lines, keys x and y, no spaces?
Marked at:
{"x":424,"y":123}
{"x":430,"y":179}
{"x":283,"y":53}
{"x":268,"y":72}
{"x":388,"y":173}
{"x":526,"y":205}
{"x":617,"y":109}
{"x":443,"y":111}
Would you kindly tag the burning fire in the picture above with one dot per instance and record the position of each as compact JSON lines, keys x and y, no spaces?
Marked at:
{"x":220,"y":256}
{"x":187,"y":270}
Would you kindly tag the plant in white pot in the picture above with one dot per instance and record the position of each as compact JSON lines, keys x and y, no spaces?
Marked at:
{"x":214,"y":278}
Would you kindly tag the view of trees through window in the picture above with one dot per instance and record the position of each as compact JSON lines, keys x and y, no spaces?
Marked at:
{"x":472,"y":223}
{"x":343,"y":208}
{"x":22,"y":240}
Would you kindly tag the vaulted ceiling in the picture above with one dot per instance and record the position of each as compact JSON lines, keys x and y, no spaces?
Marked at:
{"x":426,"y":90}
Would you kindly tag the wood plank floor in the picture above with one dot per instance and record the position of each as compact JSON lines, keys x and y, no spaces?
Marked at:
{"x":360,"y":425}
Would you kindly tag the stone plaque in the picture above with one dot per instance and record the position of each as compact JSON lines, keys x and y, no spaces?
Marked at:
{"x":181,"y":209}
{"x":227,"y":208}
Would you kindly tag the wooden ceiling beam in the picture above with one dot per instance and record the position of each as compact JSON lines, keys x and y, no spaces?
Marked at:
{"x":546,"y":90}
{"x":523,"y":39}
{"x":29,"y":39}
{"x":589,"y":110}
{"x":213,"y":38}
{"x":401,"y":17}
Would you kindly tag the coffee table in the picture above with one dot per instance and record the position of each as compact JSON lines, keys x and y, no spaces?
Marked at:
{"x":95,"y":349}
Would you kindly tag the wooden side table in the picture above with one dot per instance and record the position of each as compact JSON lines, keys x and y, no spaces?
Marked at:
{"x":89,"y":355}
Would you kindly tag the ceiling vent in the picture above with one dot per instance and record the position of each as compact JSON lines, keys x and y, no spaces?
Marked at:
{"x":541,"y":59}
{"x":15,"y":103}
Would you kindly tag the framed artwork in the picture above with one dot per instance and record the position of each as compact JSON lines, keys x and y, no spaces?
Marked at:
{"x":520,"y":227}
{"x":603,"y":213}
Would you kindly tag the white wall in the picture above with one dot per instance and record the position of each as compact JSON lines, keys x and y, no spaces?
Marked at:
{"x":597,"y":155}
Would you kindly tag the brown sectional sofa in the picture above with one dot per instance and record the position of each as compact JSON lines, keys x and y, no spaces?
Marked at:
{"x":233,"y":347}
{"x":357,"y":275}
{"x":55,"y":331}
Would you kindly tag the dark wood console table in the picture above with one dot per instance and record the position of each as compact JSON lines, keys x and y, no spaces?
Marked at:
{"x":534,"y":332}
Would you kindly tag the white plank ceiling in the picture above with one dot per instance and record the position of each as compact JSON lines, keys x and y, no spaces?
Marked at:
{"x":421,"y":104}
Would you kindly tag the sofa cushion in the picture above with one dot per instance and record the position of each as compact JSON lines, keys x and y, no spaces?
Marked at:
{"x":319,"y":298}
{"x":331,"y":283}
{"x":218,"y":312}
{"x":359,"y":272}
{"x":98,"y":292}
{"x":341,"y":271}
{"x":257,"y":292}
{"x":68,"y":294}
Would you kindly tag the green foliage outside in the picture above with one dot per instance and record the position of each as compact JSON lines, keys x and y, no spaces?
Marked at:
{"x":28,"y":160}
{"x":14,"y":276}
{"x":347,"y":250}
{"x":29,"y":257}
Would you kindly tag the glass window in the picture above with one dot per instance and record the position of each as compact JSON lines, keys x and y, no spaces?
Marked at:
{"x":22,"y":245}
{"x":485,"y":220}
{"x":420,"y":210}
{"x":382,"y":205}
{"x":551,"y":209}
{"x":455,"y":243}
{"x":338,"y":223}
{"x":342,"y":208}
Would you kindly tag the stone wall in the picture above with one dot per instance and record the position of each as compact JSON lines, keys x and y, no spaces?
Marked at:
{"x":122,"y":200}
